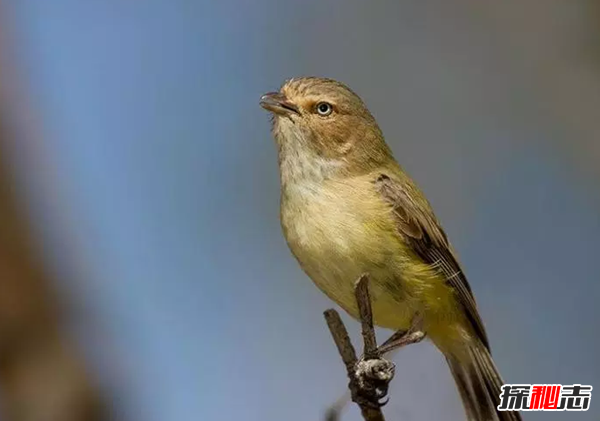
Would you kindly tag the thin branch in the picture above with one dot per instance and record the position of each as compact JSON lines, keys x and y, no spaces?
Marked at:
{"x":363,"y":300}
{"x":370,"y":377}
{"x":342,"y":340}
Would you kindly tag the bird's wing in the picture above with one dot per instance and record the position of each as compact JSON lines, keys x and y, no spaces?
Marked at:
{"x":418,"y":224}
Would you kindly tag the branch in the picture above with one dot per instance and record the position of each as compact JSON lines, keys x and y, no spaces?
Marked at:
{"x":369,"y":377}
{"x":363,"y":300}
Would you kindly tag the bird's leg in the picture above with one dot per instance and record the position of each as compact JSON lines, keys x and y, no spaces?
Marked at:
{"x":400,"y":339}
{"x":374,"y":375}
{"x":371,"y":374}
{"x":404,"y":337}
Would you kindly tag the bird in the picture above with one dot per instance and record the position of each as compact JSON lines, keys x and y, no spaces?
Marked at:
{"x":348,"y":208}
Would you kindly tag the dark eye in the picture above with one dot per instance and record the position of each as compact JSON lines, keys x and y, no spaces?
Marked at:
{"x":324,"y":108}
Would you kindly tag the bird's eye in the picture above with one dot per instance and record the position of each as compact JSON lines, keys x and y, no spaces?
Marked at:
{"x":324,"y":109}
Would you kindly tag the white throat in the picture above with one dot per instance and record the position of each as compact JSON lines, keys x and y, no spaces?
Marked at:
{"x":299,"y":164}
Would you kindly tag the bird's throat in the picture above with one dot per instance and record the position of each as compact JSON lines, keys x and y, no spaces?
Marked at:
{"x":299,"y":161}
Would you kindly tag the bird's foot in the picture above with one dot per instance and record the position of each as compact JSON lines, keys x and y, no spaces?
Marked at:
{"x":371,"y":381}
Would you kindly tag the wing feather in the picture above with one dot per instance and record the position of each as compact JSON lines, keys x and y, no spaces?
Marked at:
{"x":419,"y":225}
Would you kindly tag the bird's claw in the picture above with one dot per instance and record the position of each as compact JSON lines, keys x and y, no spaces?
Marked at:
{"x":372,"y":378}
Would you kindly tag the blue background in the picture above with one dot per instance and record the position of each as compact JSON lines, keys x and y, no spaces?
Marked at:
{"x":153,"y":185}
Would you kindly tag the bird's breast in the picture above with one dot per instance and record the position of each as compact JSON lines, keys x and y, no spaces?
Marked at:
{"x":337,"y":231}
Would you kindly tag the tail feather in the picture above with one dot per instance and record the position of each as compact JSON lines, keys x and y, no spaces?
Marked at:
{"x":466,"y":391}
{"x":479,"y":385}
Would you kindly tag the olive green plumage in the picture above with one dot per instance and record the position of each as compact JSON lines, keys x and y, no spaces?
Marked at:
{"x":348,"y":208}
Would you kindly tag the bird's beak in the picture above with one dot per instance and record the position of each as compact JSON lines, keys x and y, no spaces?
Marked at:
{"x":278,"y":103}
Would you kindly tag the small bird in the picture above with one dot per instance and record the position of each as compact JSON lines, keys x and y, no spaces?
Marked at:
{"x":348,"y":208}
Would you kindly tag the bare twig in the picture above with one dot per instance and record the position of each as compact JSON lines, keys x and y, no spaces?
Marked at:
{"x":369,"y":378}
{"x":341,"y":339}
{"x":363,"y":300}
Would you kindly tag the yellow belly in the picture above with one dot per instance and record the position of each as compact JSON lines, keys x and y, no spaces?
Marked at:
{"x":337,"y":236}
{"x":340,"y":230}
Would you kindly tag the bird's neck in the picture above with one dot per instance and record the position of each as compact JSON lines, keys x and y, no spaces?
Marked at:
{"x":299,"y":161}
{"x":300,"y":164}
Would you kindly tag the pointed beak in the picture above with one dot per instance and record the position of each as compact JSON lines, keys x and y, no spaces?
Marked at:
{"x":278,"y":103}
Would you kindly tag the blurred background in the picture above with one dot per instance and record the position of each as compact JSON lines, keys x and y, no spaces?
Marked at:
{"x":143,"y":275}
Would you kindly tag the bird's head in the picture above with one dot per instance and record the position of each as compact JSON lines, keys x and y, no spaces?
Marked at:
{"x":324,"y":119}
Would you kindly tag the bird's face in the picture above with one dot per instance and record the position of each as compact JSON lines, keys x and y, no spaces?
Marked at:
{"x":324,"y":118}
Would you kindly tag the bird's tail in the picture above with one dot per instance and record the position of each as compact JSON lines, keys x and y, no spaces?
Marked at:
{"x":479,"y":384}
